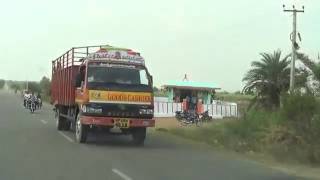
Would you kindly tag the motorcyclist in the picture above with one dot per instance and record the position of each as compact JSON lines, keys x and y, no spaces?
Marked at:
{"x":32,"y":98}
{"x":26,"y":98}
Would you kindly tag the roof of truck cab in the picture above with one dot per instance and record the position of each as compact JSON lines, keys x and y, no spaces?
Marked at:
{"x":107,"y":47}
{"x":116,"y":54}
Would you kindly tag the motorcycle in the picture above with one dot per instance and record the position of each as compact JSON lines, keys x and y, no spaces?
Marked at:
{"x":180,"y":115}
{"x":191,"y":118}
{"x":205,"y":116}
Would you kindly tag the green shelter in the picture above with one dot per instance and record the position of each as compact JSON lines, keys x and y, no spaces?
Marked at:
{"x":179,"y":90}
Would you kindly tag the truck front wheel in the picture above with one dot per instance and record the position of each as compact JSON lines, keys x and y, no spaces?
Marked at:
{"x":138,"y":136}
{"x":81,"y":131}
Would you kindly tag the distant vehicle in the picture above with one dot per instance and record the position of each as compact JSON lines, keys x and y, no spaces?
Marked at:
{"x":104,"y":87}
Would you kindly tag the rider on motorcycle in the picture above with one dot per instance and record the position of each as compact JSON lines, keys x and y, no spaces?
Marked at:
{"x":26,"y":98}
{"x":32,"y":98}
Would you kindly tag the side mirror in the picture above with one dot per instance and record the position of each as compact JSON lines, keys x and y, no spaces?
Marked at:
{"x":82,"y":84}
{"x":79,"y":81}
{"x":151,"y":80}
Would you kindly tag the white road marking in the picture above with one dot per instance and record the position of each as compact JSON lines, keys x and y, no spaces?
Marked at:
{"x":67,"y":137}
{"x":121,"y":174}
{"x":43,"y":121}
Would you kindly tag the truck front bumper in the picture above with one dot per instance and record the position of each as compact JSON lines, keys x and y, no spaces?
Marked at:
{"x":110,"y":121}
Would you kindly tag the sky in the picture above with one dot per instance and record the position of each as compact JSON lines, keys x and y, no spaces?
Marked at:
{"x":209,"y":40}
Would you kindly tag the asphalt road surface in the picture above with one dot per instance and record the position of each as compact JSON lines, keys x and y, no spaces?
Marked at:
{"x":32,"y":149}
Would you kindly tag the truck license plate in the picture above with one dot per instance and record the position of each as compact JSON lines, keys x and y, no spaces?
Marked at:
{"x":121,"y":123}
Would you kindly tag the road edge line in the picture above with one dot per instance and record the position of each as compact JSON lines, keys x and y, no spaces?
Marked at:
{"x":43,"y":121}
{"x":66,"y":137}
{"x":121,"y":174}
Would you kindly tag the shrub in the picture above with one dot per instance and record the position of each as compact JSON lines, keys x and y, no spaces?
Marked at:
{"x":289,"y":134}
{"x":301,"y":112}
{"x":299,"y":108}
{"x":2,"y":83}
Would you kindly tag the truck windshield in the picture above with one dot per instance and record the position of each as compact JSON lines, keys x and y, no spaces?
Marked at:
{"x":117,"y":75}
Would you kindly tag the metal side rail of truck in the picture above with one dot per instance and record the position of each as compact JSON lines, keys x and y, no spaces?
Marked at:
{"x":102,"y":87}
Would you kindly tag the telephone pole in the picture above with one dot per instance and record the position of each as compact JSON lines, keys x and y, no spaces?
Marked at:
{"x":293,"y":38}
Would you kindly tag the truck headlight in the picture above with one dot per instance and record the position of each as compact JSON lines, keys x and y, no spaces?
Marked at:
{"x":146,"y":111}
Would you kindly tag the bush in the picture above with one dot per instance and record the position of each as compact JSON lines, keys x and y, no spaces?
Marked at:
{"x":16,"y":85}
{"x":2,"y":83}
{"x":278,"y":133}
{"x":241,"y":135}
{"x":300,"y":109}
{"x":34,"y":87}
{"x":45,"y":85}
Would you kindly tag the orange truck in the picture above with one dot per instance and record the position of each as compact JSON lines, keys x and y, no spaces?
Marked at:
{"x":102,"y":88}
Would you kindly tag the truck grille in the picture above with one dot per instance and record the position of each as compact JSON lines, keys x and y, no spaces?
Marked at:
{"x":123,"y":110}
{"x":120,"y":113}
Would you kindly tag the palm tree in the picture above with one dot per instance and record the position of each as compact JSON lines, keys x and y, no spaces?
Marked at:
{"x":313,"y":66}
{"x":268,"y":77}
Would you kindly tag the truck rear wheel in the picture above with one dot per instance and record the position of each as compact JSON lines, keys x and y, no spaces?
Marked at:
{"x":61,"y":122}
{"x":81,"y":131}
{"x":67,"y":125}
{"x":138,"y":136}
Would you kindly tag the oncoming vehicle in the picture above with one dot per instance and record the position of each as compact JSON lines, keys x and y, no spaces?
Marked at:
{"x":102,"y":87}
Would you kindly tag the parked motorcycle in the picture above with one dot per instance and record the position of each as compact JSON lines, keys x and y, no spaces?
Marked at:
{"x":191,"y":118}
{"x":180,"y":115}
{"x":205,"y":117}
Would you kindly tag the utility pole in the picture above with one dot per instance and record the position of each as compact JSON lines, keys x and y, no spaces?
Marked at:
{"x":293,"y":38}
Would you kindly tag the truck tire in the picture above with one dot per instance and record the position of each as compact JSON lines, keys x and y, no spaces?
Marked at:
{"x":67,"y":125}
{"x":138,"y":136}
{"x":60,"y":121}
{"x":81,"y":131}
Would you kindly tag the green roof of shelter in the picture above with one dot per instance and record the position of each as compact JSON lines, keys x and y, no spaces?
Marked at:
{"x":191,"y":85}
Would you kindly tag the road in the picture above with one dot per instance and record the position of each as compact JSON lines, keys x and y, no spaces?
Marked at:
{"x":32,"y":149}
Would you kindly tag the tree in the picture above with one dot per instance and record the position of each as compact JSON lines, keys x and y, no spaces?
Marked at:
{"x":155,"y":89}
{"x":268,"y":78}
{"x":159,"y":92}
{"x":34,"y":87}
{"x":45,"y":85}
{"x":314,"y":67}
{"x":16,"y":85}
{"x":2,"y":83}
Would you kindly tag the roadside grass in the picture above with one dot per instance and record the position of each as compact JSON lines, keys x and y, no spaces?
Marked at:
{"x":290,"y":134}
{"x":243,"y":101}
{"x":232,"y":97}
